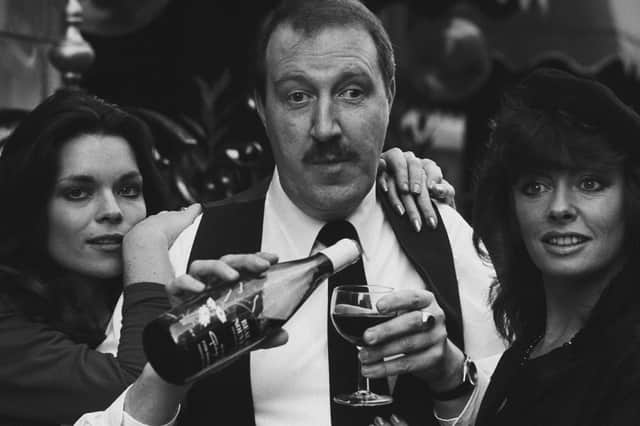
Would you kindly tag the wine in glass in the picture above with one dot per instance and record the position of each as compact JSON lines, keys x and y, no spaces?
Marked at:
{"x":353,"y":310}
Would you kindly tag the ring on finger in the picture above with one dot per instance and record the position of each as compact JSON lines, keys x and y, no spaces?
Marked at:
{"x":427,"y":320}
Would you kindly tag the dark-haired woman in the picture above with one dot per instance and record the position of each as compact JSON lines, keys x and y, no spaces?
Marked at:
{"x":75,"y":176}
{"x":561,"y":187}
{"x":558,"y":209}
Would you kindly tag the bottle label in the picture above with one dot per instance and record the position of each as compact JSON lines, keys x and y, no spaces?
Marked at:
{"x":219,"y":328}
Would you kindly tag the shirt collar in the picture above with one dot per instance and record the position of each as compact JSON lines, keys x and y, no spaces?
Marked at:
{"x":367,"y":219}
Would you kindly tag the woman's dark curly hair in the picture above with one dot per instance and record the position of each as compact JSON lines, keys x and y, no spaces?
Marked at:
{"x":551,"y":121}
{"x":31,"y":282}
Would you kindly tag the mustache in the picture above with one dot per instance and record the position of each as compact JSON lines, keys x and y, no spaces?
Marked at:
{"x":329,"y":152}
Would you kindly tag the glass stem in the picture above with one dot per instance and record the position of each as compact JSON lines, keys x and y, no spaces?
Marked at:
{"x":363,"y":382}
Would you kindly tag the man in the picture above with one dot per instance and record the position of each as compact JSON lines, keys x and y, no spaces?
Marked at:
{"x":324,"y":88}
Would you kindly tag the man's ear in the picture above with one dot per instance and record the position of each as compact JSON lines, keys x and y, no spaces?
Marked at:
{"x":392,"y":92}
{"x":260,"y":107}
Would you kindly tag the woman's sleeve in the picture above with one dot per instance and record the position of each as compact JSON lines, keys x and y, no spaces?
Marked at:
{"x":45,"y":376}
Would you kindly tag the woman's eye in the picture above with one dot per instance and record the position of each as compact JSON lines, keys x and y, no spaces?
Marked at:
{"x":591,"y":184}
{"x":130,"y":191}
{"x":532,"y":188}
{"x":75,"y":194}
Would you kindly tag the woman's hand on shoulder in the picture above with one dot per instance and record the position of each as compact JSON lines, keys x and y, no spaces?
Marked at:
{"x":410,"y":182}
{"x":393,"y":421}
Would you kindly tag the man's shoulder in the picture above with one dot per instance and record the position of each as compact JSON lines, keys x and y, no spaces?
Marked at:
{"x":252,"y":195}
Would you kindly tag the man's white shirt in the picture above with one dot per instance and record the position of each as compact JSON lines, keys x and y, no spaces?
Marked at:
{"x":290,"y":383}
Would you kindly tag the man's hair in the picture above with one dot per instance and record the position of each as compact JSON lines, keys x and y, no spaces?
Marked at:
{"x":542,"y":125}
{"x":312,"y":16}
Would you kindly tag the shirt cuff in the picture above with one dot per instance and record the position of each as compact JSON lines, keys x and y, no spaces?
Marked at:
{"x":116,"y":416}
{"x":467,"y":416}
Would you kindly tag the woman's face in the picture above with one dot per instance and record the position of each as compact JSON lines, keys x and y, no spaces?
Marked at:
{"x":96,"y":199}
{"x":572,"y":223}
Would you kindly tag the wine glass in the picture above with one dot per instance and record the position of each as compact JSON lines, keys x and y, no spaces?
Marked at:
{"x":353,"y":310}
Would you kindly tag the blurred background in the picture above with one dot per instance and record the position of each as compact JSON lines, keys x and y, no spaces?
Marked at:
{"x":182,"y":66}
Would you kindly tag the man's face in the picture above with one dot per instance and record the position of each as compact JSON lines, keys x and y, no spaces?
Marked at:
{"x":326,"y":112}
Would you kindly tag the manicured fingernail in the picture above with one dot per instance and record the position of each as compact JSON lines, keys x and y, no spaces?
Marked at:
{"x":416,"y":188}
{"x":385,"y":186}
{"x":417,"y":225}
{"x":404,"y":186}
{"x":394,"y":419}
{"x":433,"y":223}
{"x":378,"y":421}
{"x":400,"y":209}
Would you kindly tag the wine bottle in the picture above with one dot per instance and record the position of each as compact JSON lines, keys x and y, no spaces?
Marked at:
{"x":215,"y":327}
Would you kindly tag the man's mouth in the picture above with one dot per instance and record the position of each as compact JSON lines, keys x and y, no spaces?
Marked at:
{"x":329,"y":160}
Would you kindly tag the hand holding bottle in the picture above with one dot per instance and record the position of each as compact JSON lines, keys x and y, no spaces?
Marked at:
{"x":227,"y":269}
{"x":226,"y":320}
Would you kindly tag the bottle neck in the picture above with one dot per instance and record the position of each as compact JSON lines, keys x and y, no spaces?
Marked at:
{"x":323,"y":264}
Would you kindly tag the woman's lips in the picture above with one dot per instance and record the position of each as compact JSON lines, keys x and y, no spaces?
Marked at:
{"x":107,"y":242}
{"x":564,"y":243}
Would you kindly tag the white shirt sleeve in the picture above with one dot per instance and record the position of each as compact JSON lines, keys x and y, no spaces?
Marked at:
{"x":475,"y":276}
{"x":181,"y":249}
{"x":469,"y":414}
{"x":115,"y":416}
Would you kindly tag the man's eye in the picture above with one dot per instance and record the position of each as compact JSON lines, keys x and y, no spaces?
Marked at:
{"x":591,"y":184}
{"x":352,"y":93}
{"x":297,"y":97}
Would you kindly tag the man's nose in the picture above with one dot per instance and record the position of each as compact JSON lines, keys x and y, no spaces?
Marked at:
{"x":561,"y":208}
{"x":324,"y":125}
{"x":109,"y":209}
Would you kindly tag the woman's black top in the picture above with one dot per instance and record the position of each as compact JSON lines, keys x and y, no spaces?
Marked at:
{"x":47,"y":378}
{"x":593,"y":381}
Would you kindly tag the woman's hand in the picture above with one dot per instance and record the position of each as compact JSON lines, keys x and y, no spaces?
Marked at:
{"x":393,"y":421}
{"x":145,"y":247}
{"x":415,"y":341}
{"x":410,"y":182}
{"x":162,"y":228}
{"x":227,"y":269}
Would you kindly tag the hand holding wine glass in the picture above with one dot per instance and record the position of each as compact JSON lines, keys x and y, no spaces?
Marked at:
{"x":413,"y":342}
{"x":353,"y":310}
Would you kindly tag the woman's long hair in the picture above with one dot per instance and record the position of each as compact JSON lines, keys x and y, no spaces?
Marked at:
{"x":31,"y":281}
{"x":528,"y":136}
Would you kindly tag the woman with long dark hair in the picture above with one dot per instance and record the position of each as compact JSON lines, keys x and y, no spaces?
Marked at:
{"x":558,"y":209}
{"x":75,"y":176}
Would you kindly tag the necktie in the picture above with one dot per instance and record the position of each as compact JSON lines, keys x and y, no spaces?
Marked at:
{"x":343,"y":361}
